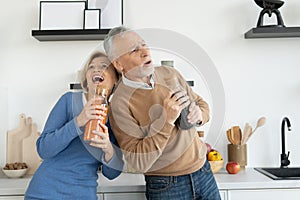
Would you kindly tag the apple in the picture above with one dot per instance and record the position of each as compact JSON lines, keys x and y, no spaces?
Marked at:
{"x":208,"y":147}
{"x":233,"y":167}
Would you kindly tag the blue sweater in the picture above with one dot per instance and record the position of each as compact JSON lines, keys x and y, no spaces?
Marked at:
{"x":69,"y":167}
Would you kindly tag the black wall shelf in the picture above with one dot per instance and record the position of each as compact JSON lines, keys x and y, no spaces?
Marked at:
{"x":69,"y":35}
{"x":273,"y":32}
{"x":190,"y":83}
{"x":77,"y":86}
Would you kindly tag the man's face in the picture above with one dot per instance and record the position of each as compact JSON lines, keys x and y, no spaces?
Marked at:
{"x":132,"y":56}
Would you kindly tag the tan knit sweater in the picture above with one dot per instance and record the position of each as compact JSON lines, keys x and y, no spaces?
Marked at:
{"x":149,"y":143}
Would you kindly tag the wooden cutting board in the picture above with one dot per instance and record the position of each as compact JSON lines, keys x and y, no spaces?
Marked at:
{"x":15,"y":139}
{"x":30,"y":155}
{"x":21,"y":144}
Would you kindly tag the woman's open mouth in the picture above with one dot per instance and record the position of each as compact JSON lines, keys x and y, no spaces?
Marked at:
{"x":97,"y":79}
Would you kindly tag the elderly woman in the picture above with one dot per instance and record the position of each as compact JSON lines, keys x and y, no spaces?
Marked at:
{"x":70,"y":164}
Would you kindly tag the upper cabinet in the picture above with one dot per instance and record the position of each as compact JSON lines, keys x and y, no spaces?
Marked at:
{"x":77,"y":20}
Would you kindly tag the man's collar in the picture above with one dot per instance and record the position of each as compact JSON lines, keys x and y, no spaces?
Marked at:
{"x":140,"y":85}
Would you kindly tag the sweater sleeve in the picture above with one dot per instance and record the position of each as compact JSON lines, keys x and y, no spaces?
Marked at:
{"x":60,"y":129}
{"x":114,"y":167}
{"x":196,"y":98}
{"x":142,"y":146}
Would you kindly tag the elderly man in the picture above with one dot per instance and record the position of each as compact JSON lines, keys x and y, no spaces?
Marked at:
{"x":144,"y":114}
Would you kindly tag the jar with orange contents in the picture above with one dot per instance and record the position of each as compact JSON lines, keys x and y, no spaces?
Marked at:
{"x":101,"y":93}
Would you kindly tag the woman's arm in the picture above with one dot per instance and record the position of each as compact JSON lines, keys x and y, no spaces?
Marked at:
{"x":60,"y":129}
{"x":114,"y":167}
{"x":111,"y":157}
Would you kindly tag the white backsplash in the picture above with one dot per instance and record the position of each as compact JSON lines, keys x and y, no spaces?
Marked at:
{"x":3,"y":124}
{"x":260,"y":76}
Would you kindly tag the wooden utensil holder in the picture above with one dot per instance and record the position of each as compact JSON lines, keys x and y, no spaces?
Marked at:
{"x":237,"y":153}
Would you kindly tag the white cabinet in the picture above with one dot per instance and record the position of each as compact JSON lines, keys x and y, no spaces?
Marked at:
{"x":100,"y":196}
{"x":124,"y":196}
{"x":223,"y":194}
{"x":141,"y":196}
{"x":263,"y":194}
{"x":11,"y":197}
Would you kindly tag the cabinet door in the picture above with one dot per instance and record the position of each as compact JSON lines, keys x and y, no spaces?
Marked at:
{"x":100,"y":196}
{"x":124,"y":196}
{"x":223,"y":194}
{"x":11,"y":197}
{"x":274,"y":194}
{"x":141,"y":196}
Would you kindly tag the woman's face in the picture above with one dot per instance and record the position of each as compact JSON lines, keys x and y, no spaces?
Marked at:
{"x":100,"y":72}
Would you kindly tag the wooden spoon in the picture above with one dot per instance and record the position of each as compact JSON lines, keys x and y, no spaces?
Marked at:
{"x":232,"y":135}
{"x":260,"y":122}
{"x":246,"y":133}
{"x":236,"y":135}
{"x":228,"y":133}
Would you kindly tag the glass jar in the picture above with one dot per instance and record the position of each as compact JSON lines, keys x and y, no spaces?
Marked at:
{"x":94,"y":124}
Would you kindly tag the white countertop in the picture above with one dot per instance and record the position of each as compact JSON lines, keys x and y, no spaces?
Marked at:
{"x":251,"y":179}
{"x":126,"y":182}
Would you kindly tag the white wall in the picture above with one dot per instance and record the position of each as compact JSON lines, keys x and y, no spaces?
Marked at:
{"x":260,"y":76}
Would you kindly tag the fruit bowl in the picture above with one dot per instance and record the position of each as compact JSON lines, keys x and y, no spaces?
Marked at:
{"x":15,"y":173}
{"x":216,"y":165}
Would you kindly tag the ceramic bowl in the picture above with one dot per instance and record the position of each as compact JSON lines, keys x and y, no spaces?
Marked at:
{"x":15,"y":173}
{"x":216,"y":165}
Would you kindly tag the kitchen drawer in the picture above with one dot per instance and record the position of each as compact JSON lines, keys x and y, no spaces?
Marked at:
{"x":124,"y":196}
{"x":257,"y":194}
{"x":223,"y":194}
{"x":141,"y":196}
{"x":11,"y":197}
{"x":100,"y":196}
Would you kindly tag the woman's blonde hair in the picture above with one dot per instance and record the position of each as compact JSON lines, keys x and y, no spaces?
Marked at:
{"x":94,"y":55}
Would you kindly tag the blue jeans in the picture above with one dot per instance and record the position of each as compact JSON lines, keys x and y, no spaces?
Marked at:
{"x":200,"y":185}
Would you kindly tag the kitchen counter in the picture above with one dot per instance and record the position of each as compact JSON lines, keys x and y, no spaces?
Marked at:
{"x":251,"y":179}
{"x":126,"y":182}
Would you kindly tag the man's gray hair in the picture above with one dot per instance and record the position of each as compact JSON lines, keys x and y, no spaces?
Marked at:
{"x":108,"y":40}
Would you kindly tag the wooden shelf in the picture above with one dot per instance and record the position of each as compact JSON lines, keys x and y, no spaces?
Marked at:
{"x":69,"y":35}
{"x":273,"y":32}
